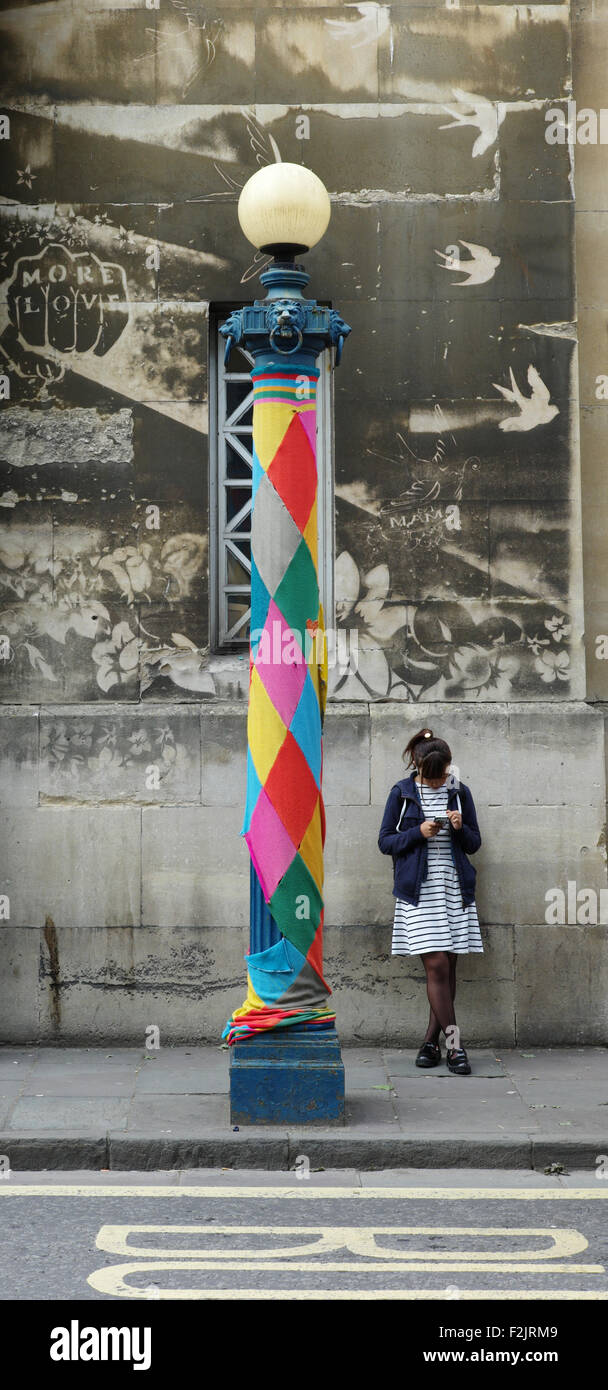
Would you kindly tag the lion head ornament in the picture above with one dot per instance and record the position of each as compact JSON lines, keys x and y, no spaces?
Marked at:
{"x":285,"y":322}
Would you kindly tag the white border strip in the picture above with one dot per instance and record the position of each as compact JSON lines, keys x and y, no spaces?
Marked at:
{"x":444,"y":1194}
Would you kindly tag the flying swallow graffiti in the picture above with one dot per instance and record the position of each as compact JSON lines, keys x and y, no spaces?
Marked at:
{"x":534,"y":410}
{"x":485,"y":116}
{"x":480,"y":267}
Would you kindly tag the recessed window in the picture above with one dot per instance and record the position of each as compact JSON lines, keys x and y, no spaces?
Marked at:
{"x":230,"y":485}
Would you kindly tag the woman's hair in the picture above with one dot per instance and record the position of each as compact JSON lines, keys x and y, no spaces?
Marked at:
{"x":428,"y":754}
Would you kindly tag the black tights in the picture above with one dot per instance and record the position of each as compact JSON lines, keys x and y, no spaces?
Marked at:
{"x":440,"y":967}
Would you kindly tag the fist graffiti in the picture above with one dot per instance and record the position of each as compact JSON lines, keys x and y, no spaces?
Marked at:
{"x":63,"y":302}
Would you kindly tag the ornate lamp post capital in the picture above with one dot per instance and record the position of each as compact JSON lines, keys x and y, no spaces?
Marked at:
{"x":285,"y":323}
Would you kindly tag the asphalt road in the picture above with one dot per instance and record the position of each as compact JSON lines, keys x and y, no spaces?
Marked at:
{"x":341,"y":1236}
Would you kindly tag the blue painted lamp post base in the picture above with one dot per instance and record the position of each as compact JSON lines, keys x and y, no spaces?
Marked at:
{"x":290,"y":1076}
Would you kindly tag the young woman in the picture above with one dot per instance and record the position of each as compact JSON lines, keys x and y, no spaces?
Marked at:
{"x":430,"y":827}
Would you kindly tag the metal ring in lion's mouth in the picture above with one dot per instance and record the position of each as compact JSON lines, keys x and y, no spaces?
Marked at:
{"x":286,"y":352}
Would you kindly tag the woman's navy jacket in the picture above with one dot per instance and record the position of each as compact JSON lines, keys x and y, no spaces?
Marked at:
{"x":409,"y":847}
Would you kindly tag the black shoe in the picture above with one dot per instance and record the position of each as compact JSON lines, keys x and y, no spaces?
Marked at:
{"x":429,"y":1055}
{"x":457,"y":1061}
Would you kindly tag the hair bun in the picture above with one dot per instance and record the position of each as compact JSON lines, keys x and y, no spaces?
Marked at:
{"x":434,"y":756}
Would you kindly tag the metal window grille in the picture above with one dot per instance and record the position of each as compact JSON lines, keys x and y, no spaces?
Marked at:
{"x":231,"y":471}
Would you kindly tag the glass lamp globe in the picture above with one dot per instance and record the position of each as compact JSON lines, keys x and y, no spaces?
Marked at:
{"x":284,"y":209}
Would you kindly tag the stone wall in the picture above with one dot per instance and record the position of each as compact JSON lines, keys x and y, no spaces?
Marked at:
{"x":462,"y":531}
{"x":135,"y":907}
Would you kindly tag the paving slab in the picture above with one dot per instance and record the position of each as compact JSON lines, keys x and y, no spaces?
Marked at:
{"x":164,"y":1113}
{"x":10,"y":1088}
{"x":128,"y":1109}
{"x":225,"y":1177}
{"x":362,"y":1078}
{"x":35,"y":1114}
{"x":120,"y":1082}
{"x":482,"y":1063}
{"x":195,"y":1071}
{"x":475,"y":1178}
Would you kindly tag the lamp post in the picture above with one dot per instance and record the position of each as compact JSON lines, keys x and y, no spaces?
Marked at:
{"x":285,"y":1063}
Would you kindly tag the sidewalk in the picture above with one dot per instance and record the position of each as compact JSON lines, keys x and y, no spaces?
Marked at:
{"x":128,"y":1109}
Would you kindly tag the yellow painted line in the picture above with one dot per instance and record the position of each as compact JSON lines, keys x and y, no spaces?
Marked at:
{"x":323,"y":1240}
{"x":356,"y":1295}
{"x":11,"y":1188}
{"x":351,"y":1267}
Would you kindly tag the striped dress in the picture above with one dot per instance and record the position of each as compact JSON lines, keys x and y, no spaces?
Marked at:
{"x":439,"y":922}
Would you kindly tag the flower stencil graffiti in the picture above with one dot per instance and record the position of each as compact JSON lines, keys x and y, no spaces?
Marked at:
{"x":48,"y":600}
{"x":83,"y":757}
{"x":437,"y":652}
{"x":416,"y":640}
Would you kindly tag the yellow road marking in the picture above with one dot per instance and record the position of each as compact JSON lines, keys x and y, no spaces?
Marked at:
{"x":321,"y":1241}
{"x":111,"y":1279}
{"x":522,"y":1295}
{"x":360,"y":1240}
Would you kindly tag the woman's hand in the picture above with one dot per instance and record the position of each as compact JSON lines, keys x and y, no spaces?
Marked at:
{"x":456,"y":819}
{"x":429,"y":829}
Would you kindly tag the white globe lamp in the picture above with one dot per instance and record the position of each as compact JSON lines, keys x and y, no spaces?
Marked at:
{"x":284,"y":209}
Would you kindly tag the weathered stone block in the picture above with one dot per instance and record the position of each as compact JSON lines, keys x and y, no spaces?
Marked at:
{"x":224,"y":754}
{"x":157,"y":437}
{"x":529,"y":547}
{"x":31,"y":143}
{"x":72,"y":866}
{"x":303,"y":55}
{"x":174,"y":663}
{"x":527,"y":851}
{"x":371,"y":153}
{"x":162,"y":354}
{"x":440,"y":449}
{"x":18,"y":756}
{"x":360,"y":968}
{"x":216,"y":59}
{"x":436,"y":366}
{"x":93,"y":61}
{"x":19,"y":989}
{"x":491,"y":265}
{"x":591,"y":251}
{"x":478,"y":738}
{"x":346,"y":745}
{"x":531,"y":168}
{"x":427,"y":56}
{"x":114,"y":984}
{"x":40,"y":438}
{"x":471,"y":651}
{"x":556,"y":757}
{"x":149,"y":755}
{"x":195,"y":867}
{"x":358,"y":878}
{"x":592,"y":357}
{"x":561,"y":988}
{"x":117,"y":555}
